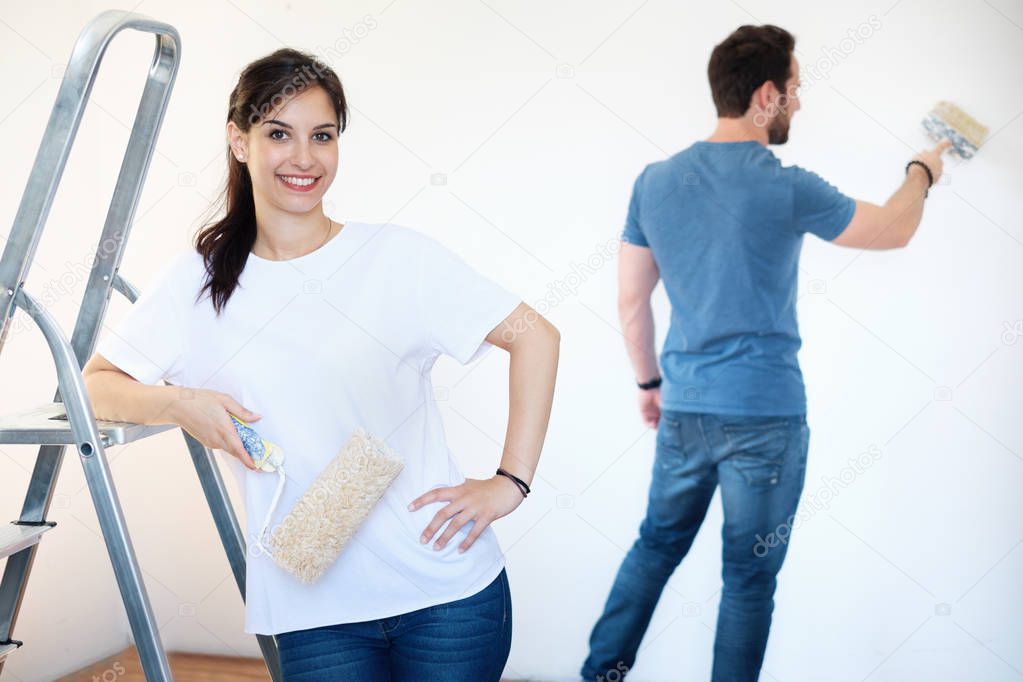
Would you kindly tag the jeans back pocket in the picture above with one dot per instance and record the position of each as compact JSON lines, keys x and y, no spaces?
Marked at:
{"x":756,"y":446}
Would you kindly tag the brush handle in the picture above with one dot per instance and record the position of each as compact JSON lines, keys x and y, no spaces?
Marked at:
{"x":265,"y":454}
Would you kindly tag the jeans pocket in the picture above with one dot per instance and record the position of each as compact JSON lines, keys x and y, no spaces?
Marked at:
{"x":756,"y":447}
{"x":488,"y":602}
{"x":669,"y":431}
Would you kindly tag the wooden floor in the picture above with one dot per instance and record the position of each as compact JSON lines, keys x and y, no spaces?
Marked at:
{"x":125,"y":667}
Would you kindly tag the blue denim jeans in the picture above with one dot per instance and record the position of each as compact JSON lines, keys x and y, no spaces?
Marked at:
{"x":760,"y":464}
{"x":467,"y":640}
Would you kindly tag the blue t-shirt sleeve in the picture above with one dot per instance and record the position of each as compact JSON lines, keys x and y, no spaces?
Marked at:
{"x":632,"y":233}
{"x":818,"y":206}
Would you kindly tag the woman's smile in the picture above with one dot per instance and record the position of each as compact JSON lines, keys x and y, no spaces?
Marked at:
{"x":300,"y":183}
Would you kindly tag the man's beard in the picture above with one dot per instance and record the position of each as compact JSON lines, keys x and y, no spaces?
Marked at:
{"x":778,"y":130}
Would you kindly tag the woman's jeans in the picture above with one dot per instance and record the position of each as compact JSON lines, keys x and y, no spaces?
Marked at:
{"x":760,"y":464}
{"x":467,"y":640}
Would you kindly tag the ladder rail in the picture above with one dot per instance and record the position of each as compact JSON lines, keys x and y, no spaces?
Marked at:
{"x":18,"y":255}
{"x":231,"y":535}
{"x":69,"y":357}
{"x":104,"y":495}
{"x":58,"y":139}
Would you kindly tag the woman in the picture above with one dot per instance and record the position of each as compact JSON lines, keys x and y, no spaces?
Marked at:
{"x":321,"y":327}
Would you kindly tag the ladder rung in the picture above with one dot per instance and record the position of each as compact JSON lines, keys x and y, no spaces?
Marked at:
{"x":48,"y":425}
{"x":16,"y":537}
{"x":8,"y":647}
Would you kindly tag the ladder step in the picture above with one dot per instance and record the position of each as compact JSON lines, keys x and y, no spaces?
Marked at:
{"x":7,"y":647}
{"x":48,"y":425}
{"x":18,"y":536}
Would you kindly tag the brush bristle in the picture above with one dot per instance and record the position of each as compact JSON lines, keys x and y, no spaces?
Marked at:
{"x":946,"y":120}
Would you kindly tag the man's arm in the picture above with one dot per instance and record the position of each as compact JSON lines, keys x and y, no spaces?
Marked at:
{"x":637,"y":277}
{"x":892,"y":225}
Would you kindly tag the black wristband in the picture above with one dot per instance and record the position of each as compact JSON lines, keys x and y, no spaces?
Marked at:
{"x":653,"y":383}
{"x":522,"y":485}
{"x":930,"y":176}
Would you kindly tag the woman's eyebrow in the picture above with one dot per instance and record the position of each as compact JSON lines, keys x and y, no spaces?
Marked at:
{"x":285,"y":125}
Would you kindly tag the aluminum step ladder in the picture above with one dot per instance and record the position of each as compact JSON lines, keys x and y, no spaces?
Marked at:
{"x":69,"y":419}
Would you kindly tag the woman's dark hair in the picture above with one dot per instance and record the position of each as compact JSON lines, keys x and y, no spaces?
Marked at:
{"x":745,"y":60}
{"x":263,"y":86}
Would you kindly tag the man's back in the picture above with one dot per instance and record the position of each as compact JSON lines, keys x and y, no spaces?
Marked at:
{"x":725,"y":224}
{"x":721,"y":224}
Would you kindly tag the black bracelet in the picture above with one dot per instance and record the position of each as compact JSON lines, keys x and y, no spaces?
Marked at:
{"x":930,"y":176}
{"x":653,"y":383}
{"x":522,"y":486}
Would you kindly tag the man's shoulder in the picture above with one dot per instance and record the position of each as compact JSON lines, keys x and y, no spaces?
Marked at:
{"x":670,"y":169}
{"x":679,"y":158}
{"x":801,"y":177}
{"x":698,"y":155}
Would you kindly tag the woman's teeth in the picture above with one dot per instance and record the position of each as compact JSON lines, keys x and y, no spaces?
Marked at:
{"x":298,"y":182}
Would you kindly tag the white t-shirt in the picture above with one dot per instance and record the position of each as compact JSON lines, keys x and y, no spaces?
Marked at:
{"x":342,"y":337}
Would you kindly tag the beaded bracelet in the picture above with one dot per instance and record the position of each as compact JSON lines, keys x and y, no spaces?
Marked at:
{"x":930,"y":176}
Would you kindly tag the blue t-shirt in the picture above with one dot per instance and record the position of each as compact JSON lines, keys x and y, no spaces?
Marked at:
{"x":725,"y":222}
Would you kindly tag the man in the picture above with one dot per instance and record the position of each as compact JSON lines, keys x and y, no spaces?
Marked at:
{"x":722,"y":223}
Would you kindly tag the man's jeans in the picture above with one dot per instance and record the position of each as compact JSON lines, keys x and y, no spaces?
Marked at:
{"x":760,"y":464}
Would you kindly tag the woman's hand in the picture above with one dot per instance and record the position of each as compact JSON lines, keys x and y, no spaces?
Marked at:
{"x":479,"y":501}
{"x":204,"y":414}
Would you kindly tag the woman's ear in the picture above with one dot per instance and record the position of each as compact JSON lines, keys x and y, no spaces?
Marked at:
{"x":238,"y":142}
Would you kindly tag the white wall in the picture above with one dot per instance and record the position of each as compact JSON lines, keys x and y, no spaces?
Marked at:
{"x":540,"y":115}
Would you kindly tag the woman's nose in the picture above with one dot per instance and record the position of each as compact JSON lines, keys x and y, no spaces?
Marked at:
{"x":302,"y":157}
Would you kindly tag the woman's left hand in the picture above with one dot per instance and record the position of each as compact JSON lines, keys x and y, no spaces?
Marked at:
{"x":476,"y":500}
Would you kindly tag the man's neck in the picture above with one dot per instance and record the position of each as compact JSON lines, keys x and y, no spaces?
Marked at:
{"x":738,"y":130}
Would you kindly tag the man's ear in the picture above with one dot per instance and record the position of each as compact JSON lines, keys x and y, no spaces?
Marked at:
{"x":761,"y":97}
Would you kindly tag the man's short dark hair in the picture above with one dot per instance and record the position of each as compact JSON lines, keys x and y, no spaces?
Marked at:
{"x":745,"y":60}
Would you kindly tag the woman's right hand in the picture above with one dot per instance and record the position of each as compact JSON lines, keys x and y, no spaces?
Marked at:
{"x":204,"y":414}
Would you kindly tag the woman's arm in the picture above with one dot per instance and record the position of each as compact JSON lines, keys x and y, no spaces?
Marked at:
{"x":533,"y":344}
{"x":117,"y":396}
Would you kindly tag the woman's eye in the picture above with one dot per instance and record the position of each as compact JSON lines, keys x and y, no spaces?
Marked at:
{"x":321,"y":137}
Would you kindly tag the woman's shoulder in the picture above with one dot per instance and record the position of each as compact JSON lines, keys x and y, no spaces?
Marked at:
{"x":172,"y":268}
{"x":393,"y":238}
{"x":367,"y":229}
{"x":180,"y":273}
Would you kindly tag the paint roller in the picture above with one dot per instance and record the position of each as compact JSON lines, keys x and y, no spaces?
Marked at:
{"x":330,"y":511}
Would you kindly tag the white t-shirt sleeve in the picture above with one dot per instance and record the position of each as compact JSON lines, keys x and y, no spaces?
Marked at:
{"x":148,"y":341}
{"x":458,"y":306}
